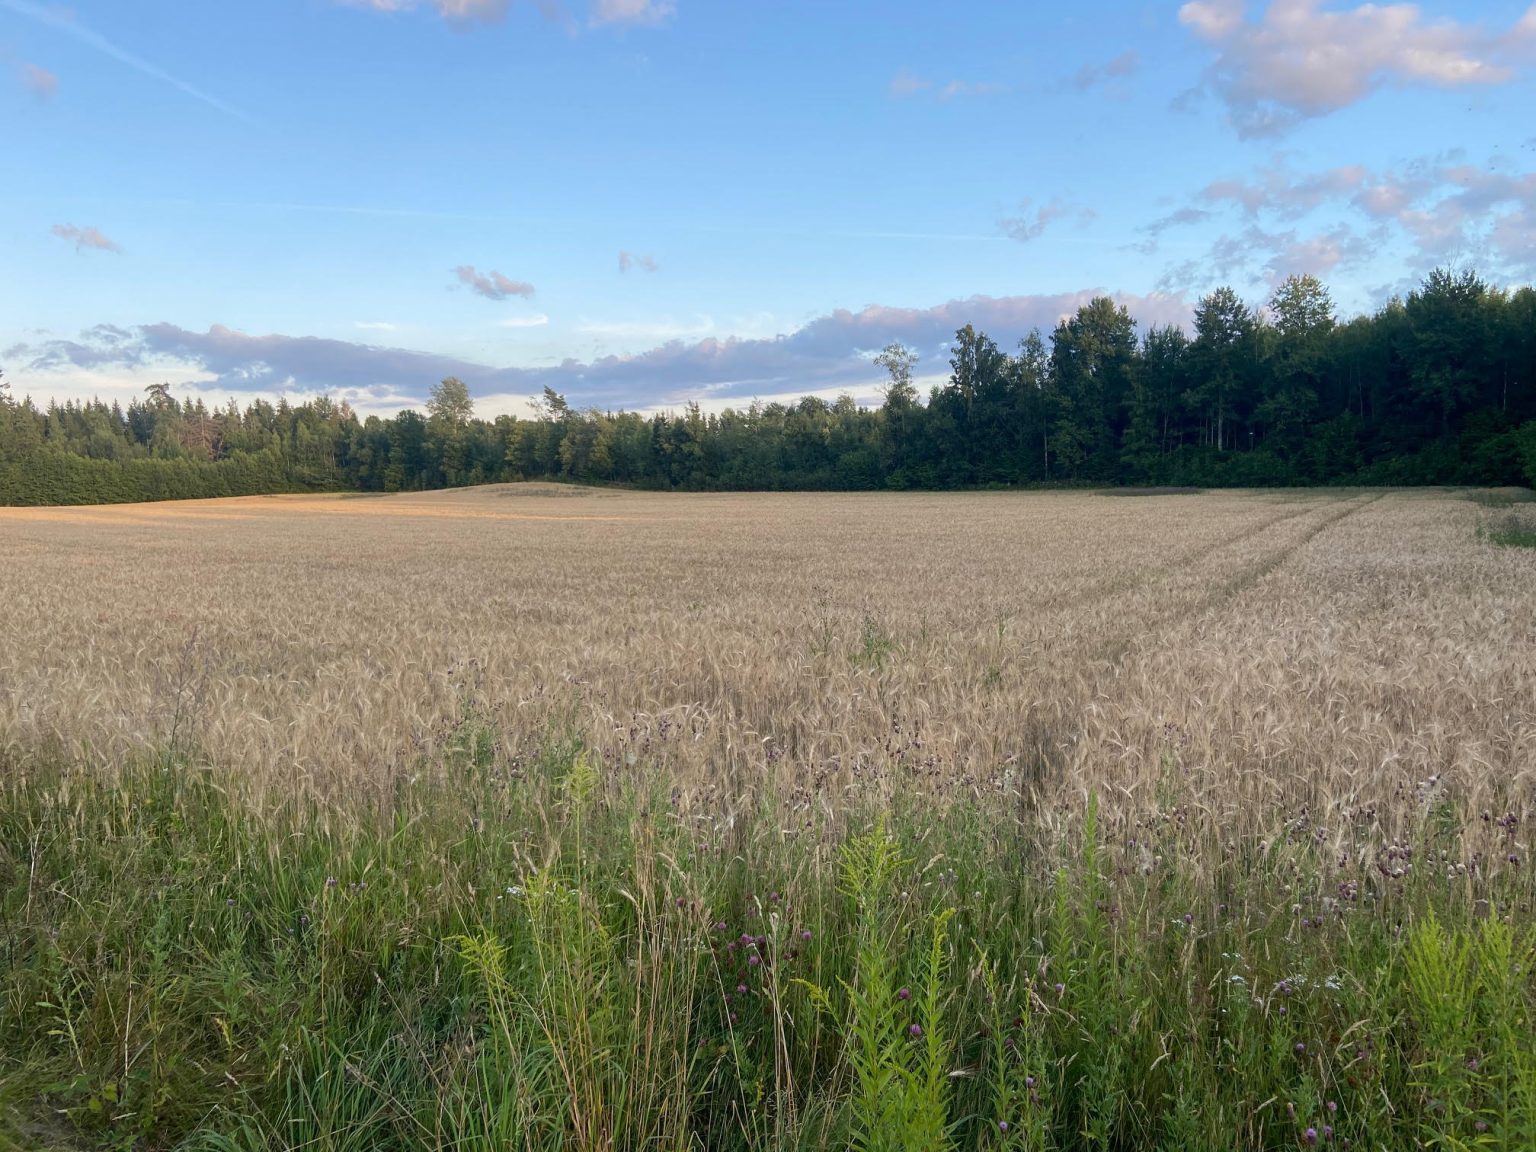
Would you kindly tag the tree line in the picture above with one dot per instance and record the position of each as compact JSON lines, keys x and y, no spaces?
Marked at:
{"x":1437,"y":388}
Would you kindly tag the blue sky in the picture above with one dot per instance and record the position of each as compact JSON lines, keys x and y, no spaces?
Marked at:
{"x":643,"y":202}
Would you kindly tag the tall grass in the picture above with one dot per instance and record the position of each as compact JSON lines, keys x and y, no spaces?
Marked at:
{"x":993,"y":821}
{"x":556,"y":958}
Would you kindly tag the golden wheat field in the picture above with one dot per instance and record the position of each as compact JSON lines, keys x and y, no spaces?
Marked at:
{"x":1270,"y":650}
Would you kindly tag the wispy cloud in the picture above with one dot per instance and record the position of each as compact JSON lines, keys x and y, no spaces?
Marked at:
{"x":1428,"y":211}
{"x":454,"y":11}
{"x":463,"y":13}
{"x":1300,"y":60}
{"x":907,"y":83}
{"x":1259,"y":256}
{"x":374,"y":325}
{"x":1119,"y":68}
{"x":628,"y":260}
{"x":640,"y":332}
{"x":86,"y":238}
{"x":64,"y":21}
{"x":39,"y":81}
{"x":537,"y":320}
{"x":1031,"y":222}
{"x":1177,"y":218}
{"x":957,"y":88}
{"x":650,"y":13}
{"x":492,"y":285}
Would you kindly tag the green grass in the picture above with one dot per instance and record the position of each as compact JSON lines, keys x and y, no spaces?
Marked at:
{"x":545,"y":952}
{"x":1512,"y":530}
{"x":1500,"y":497}
{"x":1513,"y":534}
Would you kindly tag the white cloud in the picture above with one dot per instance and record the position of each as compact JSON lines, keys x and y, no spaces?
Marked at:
{"x":637,"y":12}
{"x":536,"y":320}
{"x":1301,"y":60}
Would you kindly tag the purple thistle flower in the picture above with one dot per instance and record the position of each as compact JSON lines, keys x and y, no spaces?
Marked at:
{"x":1002,"y":1125}
{"x":1301,"y":1049}
{"x":1060,"y":988}
{"x":915,"y":1030}
{"x":1327,"y":1131}
{"x":904,"y":994}
{"x":806,"y":935}
{"x":754,"y":960}
{"x":1029,"y":1081}
{"x":1332,"y":1106}
{"x":1310,"y":1136}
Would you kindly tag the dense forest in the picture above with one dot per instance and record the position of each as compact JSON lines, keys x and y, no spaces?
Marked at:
{"x":1438,"y":388}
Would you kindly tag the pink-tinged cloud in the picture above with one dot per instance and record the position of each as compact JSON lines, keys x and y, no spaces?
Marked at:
{"x":1287,"y":196}
{"x":454,"y":11}
{"x":492,"y":285}
{"x":1302,"y":59}
{"x":1440,"y":208}
{"x":628,"y":260}
{"x":86,"y":238}
{"x":39,"y":81}
{"x":831,"y":352}
{"x":635,"y":12}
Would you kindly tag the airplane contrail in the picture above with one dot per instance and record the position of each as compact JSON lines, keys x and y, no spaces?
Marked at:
{"x":63,"y":23}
